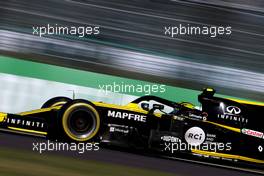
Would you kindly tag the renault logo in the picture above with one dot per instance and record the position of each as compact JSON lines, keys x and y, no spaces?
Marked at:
{"x":233,"y":110}
{"x":260,"y":148}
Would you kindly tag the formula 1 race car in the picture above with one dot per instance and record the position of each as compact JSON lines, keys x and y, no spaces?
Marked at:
{"x":225,"y":130}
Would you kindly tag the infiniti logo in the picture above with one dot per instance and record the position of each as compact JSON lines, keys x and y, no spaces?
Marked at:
{"x":233,"y":110}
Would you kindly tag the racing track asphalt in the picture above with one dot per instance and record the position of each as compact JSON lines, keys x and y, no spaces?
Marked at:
{"x":127,"y":159}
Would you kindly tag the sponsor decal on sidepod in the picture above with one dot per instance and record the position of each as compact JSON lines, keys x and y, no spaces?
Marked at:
{"x":195,"y":136}
{"x":125,"y":115}
{"x":252,"y":133}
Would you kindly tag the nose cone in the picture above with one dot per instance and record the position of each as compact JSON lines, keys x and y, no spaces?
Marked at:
{"x":3,"y":116}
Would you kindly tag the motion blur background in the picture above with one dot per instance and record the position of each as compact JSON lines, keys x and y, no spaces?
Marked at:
{"x":132,"y":42}
{"x":131,"y":48}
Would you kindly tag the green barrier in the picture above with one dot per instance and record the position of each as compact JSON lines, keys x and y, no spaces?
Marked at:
{"x":90,"y":79}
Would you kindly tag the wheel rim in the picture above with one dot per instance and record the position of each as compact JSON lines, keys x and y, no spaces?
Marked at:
{"x":82,"y":123}
{"x":78,"y":132}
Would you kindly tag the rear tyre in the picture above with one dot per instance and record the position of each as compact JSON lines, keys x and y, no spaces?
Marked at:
{"x":57,"y":101}
{"x":80,"y":121}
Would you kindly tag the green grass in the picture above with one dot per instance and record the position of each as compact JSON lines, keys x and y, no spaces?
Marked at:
{"x":25,"y":163}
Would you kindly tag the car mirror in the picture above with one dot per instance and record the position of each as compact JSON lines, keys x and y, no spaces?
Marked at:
{"x":145,"y":106}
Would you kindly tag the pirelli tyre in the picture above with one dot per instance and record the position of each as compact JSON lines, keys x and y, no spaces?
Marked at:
{"x":79,"y":121}
{"x":56,"y":101}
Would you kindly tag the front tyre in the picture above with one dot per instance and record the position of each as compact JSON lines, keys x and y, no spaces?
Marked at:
{"x":56,"y":101}
{"x":80,"y":121}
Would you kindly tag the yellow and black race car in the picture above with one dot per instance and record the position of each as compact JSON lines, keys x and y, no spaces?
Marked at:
{"x":224,"y":130}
